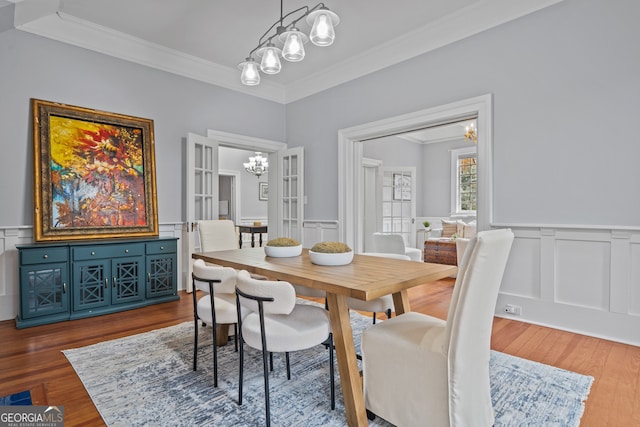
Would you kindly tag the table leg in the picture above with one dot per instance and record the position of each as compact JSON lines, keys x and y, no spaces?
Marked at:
{"x":222,"y":334}
{"x":253,"y":241}
{"x":260,"y":239}
{"x":401,"y":302}
{"x":240,"y":241}
{"x":347,"y":361}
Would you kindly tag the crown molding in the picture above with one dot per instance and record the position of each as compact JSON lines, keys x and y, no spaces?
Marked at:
{"x":44,"y":19}
{"x":71,"y":30}
{"x":466,"y":22}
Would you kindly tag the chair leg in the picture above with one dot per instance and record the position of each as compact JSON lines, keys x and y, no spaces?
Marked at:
{"x":241,"y":373}
{"x":286,"y":355}
{"x":266,"y":381}
{"x":271,"y":361}
{"x":374,"y":317}
{"x":195,"y":345}
{"x":389,"y":313}
{"x":331,"y":372}
{"x":215,"y":355}
{"x":235,"y":336}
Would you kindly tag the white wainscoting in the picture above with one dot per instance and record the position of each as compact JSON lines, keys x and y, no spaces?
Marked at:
{"x":583,"y":280}
{"x":315,"y":231}
{"x":10,"y":237}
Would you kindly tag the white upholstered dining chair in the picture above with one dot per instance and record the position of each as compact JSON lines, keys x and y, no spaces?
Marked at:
{"x":271,"y":321}
{"x":217,"y":235}
{"x":216,"y":307}
{"x":394,"y":244}
{"x":421,"y":370}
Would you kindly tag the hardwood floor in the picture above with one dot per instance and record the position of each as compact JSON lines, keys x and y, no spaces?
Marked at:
{"x":31,"y":358}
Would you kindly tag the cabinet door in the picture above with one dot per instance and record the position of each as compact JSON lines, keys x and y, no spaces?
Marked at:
{"x":127,"y":279}
{"x":44,"y":290}
{"x":161,"y":275}
{"x":91,"y":284}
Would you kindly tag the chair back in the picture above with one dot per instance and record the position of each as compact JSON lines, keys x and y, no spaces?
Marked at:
{"x":280,"y":296}
{"x":388,"y":243}
{"x":226,"y":276}
{"x":217,"y":235}
{"x":469,"y":324}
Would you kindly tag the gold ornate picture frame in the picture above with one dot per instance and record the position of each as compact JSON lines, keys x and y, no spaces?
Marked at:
{"x":94,"y":174}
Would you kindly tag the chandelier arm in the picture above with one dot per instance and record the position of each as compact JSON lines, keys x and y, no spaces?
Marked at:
{"x":280,"y":23}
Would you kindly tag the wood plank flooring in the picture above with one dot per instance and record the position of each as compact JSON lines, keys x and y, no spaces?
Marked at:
{"x":31,"y":358}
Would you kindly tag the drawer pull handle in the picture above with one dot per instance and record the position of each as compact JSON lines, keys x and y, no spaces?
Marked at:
{"x":64,"y":287}
{"x":149,"y":277}
{"x":106,"y":283}
{"x":92,"y":253}
{"x":126,"y":251}
{"x":162,"y":248}
{"x":45,"y":256}
{"x":114,"y":281}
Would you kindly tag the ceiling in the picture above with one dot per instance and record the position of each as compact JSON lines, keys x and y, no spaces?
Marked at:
{"x":207,"y":39}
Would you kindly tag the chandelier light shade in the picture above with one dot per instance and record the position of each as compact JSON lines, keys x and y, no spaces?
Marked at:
{"x":250,"y":75}
{"x":270,"y":59}
{"x":285,"y":39}
{"x":257,"y":165}
{"x":322,"y":21}
{"x":294,"y":40}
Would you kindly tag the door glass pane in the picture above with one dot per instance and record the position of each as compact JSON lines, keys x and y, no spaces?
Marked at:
{"x":198,"y":156}
{"x":198,"y":182}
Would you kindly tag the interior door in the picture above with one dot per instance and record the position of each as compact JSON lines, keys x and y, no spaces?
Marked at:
{"x":398,"y":202}
{"x":201,"y":194}
{"x":290,"y":193}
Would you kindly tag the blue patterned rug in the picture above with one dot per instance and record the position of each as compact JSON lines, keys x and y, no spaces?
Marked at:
{"x":147,"y":380}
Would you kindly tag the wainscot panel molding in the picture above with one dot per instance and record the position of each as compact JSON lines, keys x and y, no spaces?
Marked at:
{"x":10,"y":237}
{"x":582,"y":279}
{"x":315,"y":231}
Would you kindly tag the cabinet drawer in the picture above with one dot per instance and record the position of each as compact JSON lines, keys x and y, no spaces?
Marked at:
{"x":42,"y":255}
{"x":108,"y":251}
{"x":163,"y":247}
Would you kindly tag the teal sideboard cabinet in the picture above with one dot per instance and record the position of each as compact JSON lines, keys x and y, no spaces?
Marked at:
{"x":72,"y":280}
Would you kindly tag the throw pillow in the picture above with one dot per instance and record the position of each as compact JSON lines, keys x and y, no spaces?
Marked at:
{"x":470,"y":230}
{"x":449,"y":228}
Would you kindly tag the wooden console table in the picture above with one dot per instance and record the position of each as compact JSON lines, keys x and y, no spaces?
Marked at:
{"x":440,"y":252}
{"x":253,"y":229}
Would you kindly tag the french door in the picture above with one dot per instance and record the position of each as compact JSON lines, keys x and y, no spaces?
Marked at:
{"x":290,"y":193}
{"x":398,"y":204}
{"x":201,"y":198}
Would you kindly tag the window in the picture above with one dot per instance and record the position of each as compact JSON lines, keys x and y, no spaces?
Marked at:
{"x":464,"y":181}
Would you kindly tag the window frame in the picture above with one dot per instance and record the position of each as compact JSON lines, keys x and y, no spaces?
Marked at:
{"x":456,"y":155}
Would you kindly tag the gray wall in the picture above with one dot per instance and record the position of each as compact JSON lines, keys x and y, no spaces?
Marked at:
{"x":566,"y":86}
{"x":36,"y":67}
{"x":250,"y":206}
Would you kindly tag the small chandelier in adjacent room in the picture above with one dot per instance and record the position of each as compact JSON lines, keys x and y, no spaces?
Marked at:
{"x":471,"y":133}
{"x":257,"y":165}
{"x":286,"y":40}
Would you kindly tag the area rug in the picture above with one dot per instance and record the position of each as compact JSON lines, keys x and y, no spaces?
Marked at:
{"x":147,"y":380}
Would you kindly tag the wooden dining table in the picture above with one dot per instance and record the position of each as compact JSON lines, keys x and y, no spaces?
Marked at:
{"x":366,"y":278}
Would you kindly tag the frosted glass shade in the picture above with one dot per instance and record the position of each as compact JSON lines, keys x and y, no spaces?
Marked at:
{"x":250,"y":75}
{"x":293,"y":50}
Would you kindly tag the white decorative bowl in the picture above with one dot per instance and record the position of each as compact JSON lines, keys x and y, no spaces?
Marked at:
{"x":321,"y":258}
{"x":283,"y":251}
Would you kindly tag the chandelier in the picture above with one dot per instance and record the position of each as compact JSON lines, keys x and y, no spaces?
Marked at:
{"x":292,"y":40}
{"x":257,"y":165}
{"x":471,"y":134}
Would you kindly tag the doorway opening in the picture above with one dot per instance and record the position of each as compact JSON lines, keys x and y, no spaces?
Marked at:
{"x":350,"y":159}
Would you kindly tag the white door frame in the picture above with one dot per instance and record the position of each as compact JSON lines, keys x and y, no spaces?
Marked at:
{"x":236,"y":190}
{"x":350,"y":184}
{"x":266,"y":146}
